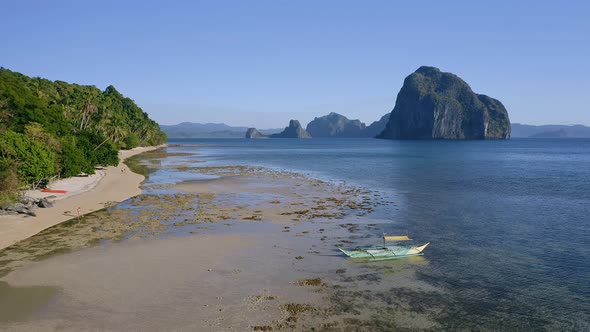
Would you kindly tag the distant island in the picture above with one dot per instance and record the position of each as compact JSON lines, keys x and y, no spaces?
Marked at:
{"x":254,"y":133}
{"x":209,"y":130}
{"x":550,"y":131}
{"x":430,"y":105}
{"x":378,"y":126}
{"x":337,"y":125}
{"x":294,"y":130}
{"x":330,"y":125}
{"x":436,"y":105}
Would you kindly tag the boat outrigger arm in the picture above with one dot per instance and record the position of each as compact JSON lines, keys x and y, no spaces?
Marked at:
{"x":387,"y":252}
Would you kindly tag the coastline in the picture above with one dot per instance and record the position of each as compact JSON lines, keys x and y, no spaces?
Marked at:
{"x":112,"y":184}
{"x":290,"y":221}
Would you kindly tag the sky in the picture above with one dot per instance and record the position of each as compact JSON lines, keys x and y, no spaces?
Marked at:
{"x":261,"y":63}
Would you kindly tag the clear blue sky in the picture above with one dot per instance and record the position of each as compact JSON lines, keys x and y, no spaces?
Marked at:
{"x":260,"y":63}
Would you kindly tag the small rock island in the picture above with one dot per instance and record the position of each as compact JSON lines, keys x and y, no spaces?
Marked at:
{"x":294,"y":130}
{"x":254,"y":133}
{"x":437,"y":105}
{"x":335,"y":125}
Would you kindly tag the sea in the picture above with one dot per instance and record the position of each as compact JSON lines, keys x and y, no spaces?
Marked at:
{"x":508,"y":224}
{"x":508,"y":221}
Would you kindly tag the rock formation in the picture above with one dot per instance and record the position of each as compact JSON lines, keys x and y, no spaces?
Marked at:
{"x":335,"y":125}
{"x":253,"y":133}
{"x":25,"y":206}
{"x":376,"y":127}
{"x":293,"y":131}
{"x":437,"y":105}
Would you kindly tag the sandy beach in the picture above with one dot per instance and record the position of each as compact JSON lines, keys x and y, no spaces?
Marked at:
{"x":84,"y":195}
{"x":226,"y":247}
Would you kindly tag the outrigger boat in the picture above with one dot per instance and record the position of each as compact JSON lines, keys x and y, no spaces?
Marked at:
{"x":384,"y":252}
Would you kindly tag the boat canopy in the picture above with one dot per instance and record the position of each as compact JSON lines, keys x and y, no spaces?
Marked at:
{"x":396,"y":238}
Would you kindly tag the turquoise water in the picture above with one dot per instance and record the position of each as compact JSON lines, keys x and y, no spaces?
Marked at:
{"x":509,"y":221}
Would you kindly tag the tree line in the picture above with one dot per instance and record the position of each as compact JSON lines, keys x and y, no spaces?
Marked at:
{"x":50,"y":129}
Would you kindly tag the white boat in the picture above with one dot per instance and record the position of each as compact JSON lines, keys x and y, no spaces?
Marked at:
{"x":386,"y":252}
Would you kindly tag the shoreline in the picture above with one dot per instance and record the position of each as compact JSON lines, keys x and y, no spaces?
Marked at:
{"x":86,"y":195}
{"x":293,"y":224}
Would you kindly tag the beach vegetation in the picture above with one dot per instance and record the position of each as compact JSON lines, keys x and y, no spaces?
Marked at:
{"x":131,"y":141}
{"x":34,"y":160}
{"x":53,"y":128}
{"x":72,"y":158}
{"x":9,"y":184}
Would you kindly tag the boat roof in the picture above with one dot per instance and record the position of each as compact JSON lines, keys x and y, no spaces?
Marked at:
{"x":396,"y":238}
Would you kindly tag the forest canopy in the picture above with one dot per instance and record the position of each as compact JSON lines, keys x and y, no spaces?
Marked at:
{"x":56,"y":128}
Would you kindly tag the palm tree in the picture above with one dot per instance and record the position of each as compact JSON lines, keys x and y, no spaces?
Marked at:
{"x":87,"y":111}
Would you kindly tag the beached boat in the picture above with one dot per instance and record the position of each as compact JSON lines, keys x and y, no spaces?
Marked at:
{"x":386,"y":252}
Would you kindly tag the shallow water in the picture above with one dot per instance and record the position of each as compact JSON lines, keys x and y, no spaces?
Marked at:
{"x":507,"y":222}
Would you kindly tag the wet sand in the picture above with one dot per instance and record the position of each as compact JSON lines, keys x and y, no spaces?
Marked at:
{"x":111,"y":185}
{"x":205,"y":282}
{"x":254,"y":193}
{"x":247,"y":248}
{"x":236,"y":276}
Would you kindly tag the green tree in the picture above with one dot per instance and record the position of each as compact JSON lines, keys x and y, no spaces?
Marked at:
{"x":131,"y":141}
{"x":9,"y":182}
{"x":76,"y":127}
{"x":73,"y":159}
{"x":97,"y":149}
{"x":36,"y":161}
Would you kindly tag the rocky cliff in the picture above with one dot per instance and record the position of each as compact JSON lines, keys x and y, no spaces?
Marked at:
{"x":293,"y":131}
{"x":376,"y":127}
{"x":253,"y":133}
{"x":335,"y":125}
{"x":437,"y":105}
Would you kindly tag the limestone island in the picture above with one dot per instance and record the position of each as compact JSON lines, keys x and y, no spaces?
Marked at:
{"x":337,"y":125}
{"x":437,"y":105}
{"x":294,"y":130}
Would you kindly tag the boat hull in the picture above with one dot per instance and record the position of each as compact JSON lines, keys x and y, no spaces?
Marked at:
{"x":385,"y":253}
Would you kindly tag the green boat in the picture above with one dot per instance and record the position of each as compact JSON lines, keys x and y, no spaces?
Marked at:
{"x":387,"y":252}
